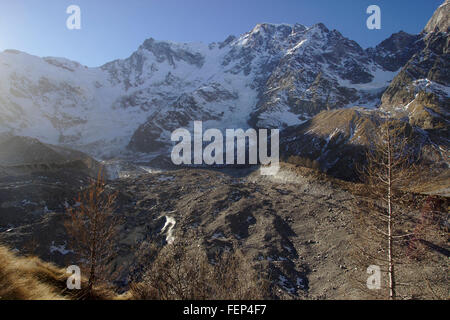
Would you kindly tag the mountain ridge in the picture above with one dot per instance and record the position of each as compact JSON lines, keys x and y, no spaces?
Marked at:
{"x":274,"y":76}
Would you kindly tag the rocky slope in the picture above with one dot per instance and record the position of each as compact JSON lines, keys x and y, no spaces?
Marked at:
{"x":25,"y":155}
{"x":296,"y":226}
{"x":283,"y":224}
{"x":338,"y":141}
{"x":421,"y":89}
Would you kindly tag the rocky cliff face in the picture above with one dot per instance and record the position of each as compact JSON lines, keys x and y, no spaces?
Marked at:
{"x":440,"y":20}
{"x":421,"y":89}
{"x":394,"y":52}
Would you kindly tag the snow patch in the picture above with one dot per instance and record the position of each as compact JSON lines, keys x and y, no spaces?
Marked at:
{"x":169,"y":225}
{"x":60,"y":249}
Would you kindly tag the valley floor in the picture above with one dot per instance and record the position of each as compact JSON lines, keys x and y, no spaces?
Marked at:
{"x":297,"y":225}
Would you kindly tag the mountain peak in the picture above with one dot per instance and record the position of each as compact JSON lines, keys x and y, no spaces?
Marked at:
{"x":440,"y":19}
{"x":321,"y":26}
{"x":283,"y":28}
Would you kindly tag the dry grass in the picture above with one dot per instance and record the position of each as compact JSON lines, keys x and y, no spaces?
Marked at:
{"x":178,"y":272}
{"x":29,"y":278}
{"x":93,"y":228}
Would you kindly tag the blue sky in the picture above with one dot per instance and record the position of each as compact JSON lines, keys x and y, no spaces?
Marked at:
{"x":113,"y":29}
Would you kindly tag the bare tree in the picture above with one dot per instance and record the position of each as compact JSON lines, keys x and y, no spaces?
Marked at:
{"x":92,"y":228}
{"x":389,"y":169}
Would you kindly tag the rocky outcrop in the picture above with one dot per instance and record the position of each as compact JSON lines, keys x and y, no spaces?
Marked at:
{"x":24,"y":156}
{"x":394,"y":52}
{"x":440,"y":21}
{"x":421,"y":89}
{"x":338,"y":141}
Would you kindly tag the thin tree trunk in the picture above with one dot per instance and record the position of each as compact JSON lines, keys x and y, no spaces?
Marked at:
{"x":91,"y":274}
{"x":391,"y":263}
{"x":93,"y":257}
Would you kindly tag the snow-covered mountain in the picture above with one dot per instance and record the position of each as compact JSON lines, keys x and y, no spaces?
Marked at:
{"x":60,"y":102}
{"x":274,"y":76}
